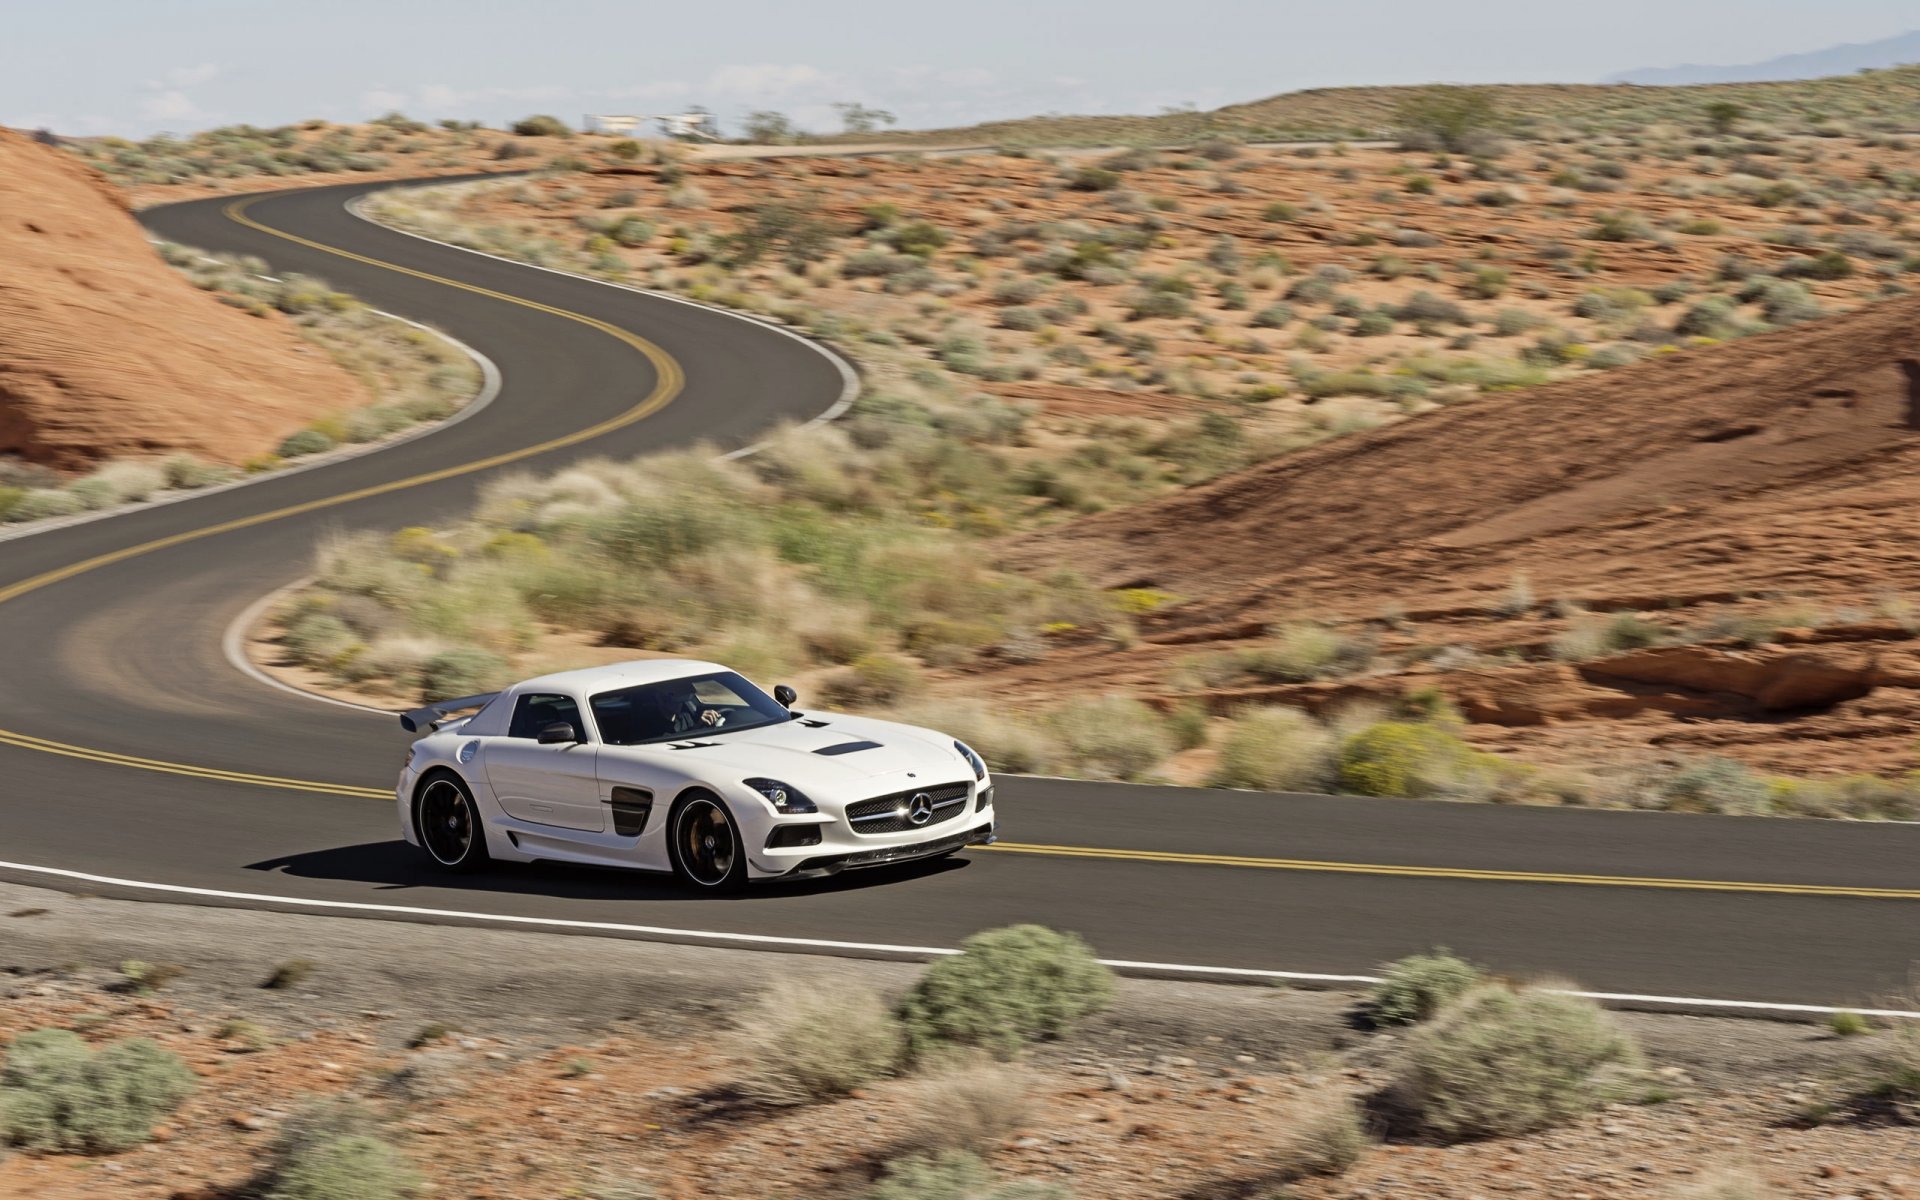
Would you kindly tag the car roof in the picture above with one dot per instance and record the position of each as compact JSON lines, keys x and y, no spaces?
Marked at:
{"x":589,"y":681}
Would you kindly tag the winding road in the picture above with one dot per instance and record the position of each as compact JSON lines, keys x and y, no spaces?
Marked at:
{"x":135,"y":759}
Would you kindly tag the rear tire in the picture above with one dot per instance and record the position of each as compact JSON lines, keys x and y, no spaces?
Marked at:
{"x":705,"y":844}
{"x":447,"y":822}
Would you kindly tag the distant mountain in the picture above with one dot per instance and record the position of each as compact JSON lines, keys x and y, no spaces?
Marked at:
{"x":1818,"y":64}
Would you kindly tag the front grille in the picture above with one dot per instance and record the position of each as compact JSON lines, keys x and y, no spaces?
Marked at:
{"x":890,"y":814}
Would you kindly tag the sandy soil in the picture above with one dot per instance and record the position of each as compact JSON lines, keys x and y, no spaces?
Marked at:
{"x":578,"y":1065}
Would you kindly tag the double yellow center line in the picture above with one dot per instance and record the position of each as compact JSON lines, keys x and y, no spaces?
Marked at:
{"x":669,"y":380}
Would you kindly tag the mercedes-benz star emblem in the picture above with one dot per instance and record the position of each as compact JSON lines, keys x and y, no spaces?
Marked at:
{"x":920,"y":808}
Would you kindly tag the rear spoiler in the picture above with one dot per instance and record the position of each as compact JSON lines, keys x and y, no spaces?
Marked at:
{"x":432,"y":714}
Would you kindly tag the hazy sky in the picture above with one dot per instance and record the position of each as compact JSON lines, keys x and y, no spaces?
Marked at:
{"x":138,"y":66}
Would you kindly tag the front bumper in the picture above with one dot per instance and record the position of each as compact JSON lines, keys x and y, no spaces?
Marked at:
{"x":881,"y":856}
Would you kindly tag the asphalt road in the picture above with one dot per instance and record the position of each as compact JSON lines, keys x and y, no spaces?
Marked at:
{"x":131,"y":749}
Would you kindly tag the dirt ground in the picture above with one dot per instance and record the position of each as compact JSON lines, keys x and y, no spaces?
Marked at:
{"x":578,"y":1066}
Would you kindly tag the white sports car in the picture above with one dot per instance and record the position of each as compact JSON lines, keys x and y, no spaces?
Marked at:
{"x":685,"y":766}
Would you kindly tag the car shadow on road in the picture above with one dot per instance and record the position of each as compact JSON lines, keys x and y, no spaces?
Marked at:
{"x":397,"y":866}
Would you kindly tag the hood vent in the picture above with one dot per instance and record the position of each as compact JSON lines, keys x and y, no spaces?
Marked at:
{"x":848,"y":748}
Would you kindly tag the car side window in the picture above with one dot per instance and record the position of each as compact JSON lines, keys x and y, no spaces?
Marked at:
{"x":532,"y":713}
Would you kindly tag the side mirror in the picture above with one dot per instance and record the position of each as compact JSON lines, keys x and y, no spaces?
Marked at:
{"x":785,"y":695}
{"x":557,"y":734}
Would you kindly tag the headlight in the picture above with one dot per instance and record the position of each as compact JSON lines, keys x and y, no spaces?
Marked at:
{"x":783,"y":798}
{"x":410,"y":751}
{"x":973,"y":760}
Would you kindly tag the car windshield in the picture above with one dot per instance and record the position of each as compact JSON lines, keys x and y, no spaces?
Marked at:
{"x":697,"y":706}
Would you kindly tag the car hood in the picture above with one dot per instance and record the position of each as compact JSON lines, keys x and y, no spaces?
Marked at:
{"x":822,"y":751}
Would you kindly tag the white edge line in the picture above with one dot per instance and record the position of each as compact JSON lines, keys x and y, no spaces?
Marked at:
{"x":233,"y":643}
{"x":918,"y":952}
{"x":489,"y":388}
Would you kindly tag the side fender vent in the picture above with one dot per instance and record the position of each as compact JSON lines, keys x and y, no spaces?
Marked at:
{"x":631,"y":807}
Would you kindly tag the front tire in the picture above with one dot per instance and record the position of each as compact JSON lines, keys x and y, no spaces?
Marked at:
{"x":705,"y":843}
{"x":447,"y":821}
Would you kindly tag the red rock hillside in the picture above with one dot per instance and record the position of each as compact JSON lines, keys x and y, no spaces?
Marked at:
{"x":106,"y":352}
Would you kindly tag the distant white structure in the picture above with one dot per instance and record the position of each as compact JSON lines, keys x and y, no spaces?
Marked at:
{"x":695,"y":126}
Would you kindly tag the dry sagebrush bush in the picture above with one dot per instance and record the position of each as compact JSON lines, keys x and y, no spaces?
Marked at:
{"x":973,"y":1106}
{"x":1275,"y":750}
{"x":58,"y":1094}
{"x":1414,"y":988}
{"x":1501,"y":1061}
{"x":805,"y":1041}
{"x":1005,"y":988}
{"x":1322,"y":1133}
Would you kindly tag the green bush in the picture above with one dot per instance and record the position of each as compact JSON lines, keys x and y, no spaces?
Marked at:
{"x":803,"y":1041}
{"x":305,"y":441}
{"x":461,"y":672}
{"x":1403,"y":758}
{"x":1275,"y":750}
{"x":9,"y":498}
{"x":541,"y":125}
{"x":56,"y":1094}
{"x":1414,"y":988}
{"x":1500,"y":1061}
{"x":1005,"y":988}
{"x":1093,"y":179}
{"x":956,"y":1176}
{"x":1458,"y":120}
{"x":317,"y":638}
{"x":356,"y":1166}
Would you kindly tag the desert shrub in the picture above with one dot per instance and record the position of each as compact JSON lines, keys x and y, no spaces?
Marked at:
{"x":1705,"y":785}
{"x":1414,"y":988}
{"x":1828,"y":265}
{"x":871,"y":679}
{"x":632,"y":231}
{"x":1321,"y":1133}
{"x":317,"y":638}
{"x":1594,"y":636}
{"x":57,"y":1094}
{"x":10,"y":497}
{"x":971,"y":1106}
{"x":462,"y":671}
{"x":38,"y":504}
{"x":1111,"y":737}
{"x":805,"y":1041}
{"x":540,"y":125}
{"x":1486,"y":283}
{"x":1092,"y":179}
{"x":956,"y":1176}
{"x":305,"y":441}
{"x":1511,"y":322}
{"x":1426,"y":308}
{"x":1621,"y":227}
{"x":1405,"y":758}
{"x":355,"y":1166}
{"x":1459,"y":120}
{"x":1501,"y":1061}
{"x":1276,"y":750}
{"x":1005,"y":988}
